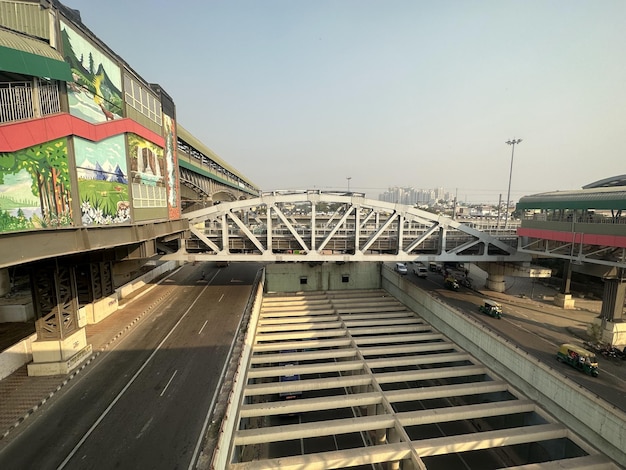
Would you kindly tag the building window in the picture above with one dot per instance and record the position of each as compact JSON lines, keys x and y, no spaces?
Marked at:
{"x":303,"y":281}
{"x":138,"y":98}
{"x":345,"y":278}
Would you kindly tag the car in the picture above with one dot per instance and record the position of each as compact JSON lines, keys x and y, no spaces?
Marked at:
{"x":420,"y":270}
{"x":401,"y":268}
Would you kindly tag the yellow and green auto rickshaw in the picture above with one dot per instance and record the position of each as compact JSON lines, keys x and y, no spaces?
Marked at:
{"x":578,"y":358}
{"x":491,"y":308}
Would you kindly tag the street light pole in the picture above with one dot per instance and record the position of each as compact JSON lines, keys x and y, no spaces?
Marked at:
{"x":349,"y":178}
{"x":508,"y":194}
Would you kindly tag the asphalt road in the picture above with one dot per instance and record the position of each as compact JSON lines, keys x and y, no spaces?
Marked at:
{"x":539,"y":329}
{"x":145,"y":402}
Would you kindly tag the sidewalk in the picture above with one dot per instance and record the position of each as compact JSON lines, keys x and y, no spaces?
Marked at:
{"x":21,"y":395}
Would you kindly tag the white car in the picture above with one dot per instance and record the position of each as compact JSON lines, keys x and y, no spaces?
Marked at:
{"x":401,"y":268}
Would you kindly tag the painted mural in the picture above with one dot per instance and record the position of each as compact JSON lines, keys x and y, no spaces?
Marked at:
{"x":102,"y":181}
{"x":95,"y":94}
{"x":148,"y":173}
{"x":35,"y":189}
{"x":172,"y":167}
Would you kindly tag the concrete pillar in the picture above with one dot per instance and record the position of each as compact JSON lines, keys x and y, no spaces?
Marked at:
{"x":613,"y":300}
{"x":564,"y":298}
{"x":5,"y":282}
{"x":61,"y":343}
{"x":495,"y":277}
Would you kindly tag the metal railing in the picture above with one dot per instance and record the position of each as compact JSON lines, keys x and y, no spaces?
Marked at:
{"x":27,"y":100}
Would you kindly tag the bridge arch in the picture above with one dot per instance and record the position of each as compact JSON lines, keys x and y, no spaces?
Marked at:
{"x":288,"y":226}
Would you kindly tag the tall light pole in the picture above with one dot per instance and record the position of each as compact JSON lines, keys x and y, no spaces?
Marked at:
{"x":508,"y":194}
{"x":349,"y":178}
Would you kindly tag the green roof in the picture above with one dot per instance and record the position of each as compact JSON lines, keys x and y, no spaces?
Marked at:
{"x":28,"y":56}
{"x":599,"y":198}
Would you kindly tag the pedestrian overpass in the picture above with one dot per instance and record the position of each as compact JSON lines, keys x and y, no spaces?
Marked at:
{"x":316,"y":226}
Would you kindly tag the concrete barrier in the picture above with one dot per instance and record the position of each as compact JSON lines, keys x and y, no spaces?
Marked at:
{"x":223,"y":451}
{"x":586,"y":414}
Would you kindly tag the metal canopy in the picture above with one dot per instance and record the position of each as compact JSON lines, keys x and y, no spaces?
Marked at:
{"x":28,"y":56}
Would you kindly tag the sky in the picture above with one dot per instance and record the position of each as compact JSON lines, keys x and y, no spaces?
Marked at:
{"x":322,"y":94}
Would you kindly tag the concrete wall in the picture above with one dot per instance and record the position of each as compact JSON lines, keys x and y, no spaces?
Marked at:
{"x":598,"y":422}
{"x":16,"y":356}
{"x":286,"y":277}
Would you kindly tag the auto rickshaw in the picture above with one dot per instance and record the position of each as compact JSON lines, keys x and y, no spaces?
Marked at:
{"x":578,"y":358}
{"x":451,"y":283}
{"x":491,"y":308}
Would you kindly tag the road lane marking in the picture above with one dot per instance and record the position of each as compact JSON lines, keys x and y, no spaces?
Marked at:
{"x":144,"y":428}
{"x":169,"y":382}
{"x":220,"y":299}
{"x":207,"y":321}
{"x":127,"y":386}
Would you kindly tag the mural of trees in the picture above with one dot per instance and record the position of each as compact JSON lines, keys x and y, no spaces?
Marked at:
{"x":49,"y":173}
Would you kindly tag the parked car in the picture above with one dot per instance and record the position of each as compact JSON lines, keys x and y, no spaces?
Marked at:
{"x":578,"y":358}
{"x":401,"y":268}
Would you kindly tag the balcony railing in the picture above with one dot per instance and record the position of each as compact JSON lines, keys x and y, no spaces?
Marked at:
{"x":27,"y":100}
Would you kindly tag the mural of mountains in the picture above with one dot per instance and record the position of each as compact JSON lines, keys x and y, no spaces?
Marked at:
{"x":103,"y":172}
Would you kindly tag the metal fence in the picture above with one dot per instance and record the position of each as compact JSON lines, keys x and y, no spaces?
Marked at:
{"x":22,"y":100}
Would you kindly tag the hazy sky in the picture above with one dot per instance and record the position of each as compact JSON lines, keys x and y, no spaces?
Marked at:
{"x":304,"y":94}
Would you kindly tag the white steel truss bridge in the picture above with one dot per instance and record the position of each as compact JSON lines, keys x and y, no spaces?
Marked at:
{"x":316,"y":226}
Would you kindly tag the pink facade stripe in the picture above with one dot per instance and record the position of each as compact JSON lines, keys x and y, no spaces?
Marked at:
{"x":576,"y":237}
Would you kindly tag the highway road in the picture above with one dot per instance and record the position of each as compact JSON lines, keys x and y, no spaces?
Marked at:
{"x":538,"y":328}
{"x":145,"y":402}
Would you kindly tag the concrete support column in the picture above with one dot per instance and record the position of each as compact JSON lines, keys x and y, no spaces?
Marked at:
{"x":564,"y":298}
{"x":61,"y":343}
{"x":495,"y":277}
{"x":5,"y":282}
{"x":613,"y":300}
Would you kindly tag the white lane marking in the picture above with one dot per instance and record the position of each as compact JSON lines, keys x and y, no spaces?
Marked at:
{"x":196,"y":451}
{"x":126,"y":387}
{"x":144,"y":428}
{"x":169,"y":382}
{"x":222,"y":296}
{"x":207,"y":321}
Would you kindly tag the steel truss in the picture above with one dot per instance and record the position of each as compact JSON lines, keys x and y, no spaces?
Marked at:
{"x":329,"y":226}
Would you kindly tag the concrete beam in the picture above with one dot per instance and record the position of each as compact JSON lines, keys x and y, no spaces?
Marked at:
{"x":445,"y":391}
{"x":275,"y":388}
{"x":410,"y":338}
{"x":588,"y":462}
{"x":311,"y":344}
{"x":387,"y":330}
{"x":430,"y":374}
{"x":287,"y":326}
{"x":417,"y":360}
{"x":350,"y":323}
{"x":301,"y":334}
{"x":263,"y":321}
{"x":303,"y":356}
{"x":310,"y":404}
{"x":407,"y":348}
{"x":315,"y":429}
{"x":460,"y":413}
{"x":336,"y":459}
{"x":489,"y":439}
{"x":302,"y":369}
